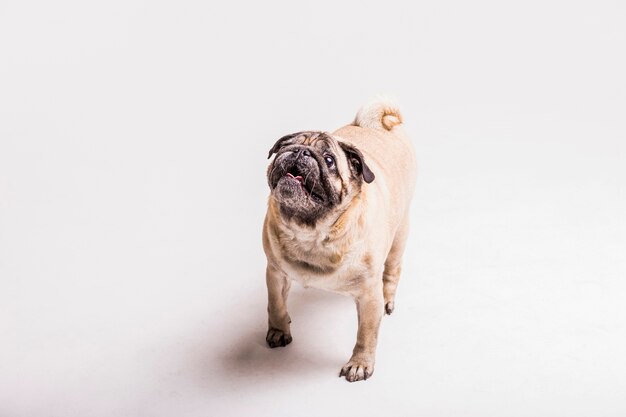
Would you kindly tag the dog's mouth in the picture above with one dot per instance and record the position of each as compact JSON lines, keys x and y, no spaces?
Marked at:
{"x":308,"y":185}
{"x":294,"y":173}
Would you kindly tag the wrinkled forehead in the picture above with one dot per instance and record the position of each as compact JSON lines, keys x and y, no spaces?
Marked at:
{"x":319,"y":140}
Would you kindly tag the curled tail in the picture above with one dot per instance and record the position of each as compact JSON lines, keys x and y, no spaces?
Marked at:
{"x":380,"y":113}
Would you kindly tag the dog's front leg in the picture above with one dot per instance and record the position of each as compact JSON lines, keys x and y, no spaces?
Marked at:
{"x":370,"y":311}
{"x":278,"y":332}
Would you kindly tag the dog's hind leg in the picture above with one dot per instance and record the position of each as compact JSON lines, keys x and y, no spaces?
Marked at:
{"x":393,"y":265}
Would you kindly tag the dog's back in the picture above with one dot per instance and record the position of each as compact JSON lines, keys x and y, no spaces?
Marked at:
{"x":377,"y":131}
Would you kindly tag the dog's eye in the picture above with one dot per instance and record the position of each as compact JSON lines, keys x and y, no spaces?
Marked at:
{"x":330,"y":161}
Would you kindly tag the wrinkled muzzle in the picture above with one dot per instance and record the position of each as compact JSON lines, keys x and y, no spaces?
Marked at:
{"x":296,"y":177}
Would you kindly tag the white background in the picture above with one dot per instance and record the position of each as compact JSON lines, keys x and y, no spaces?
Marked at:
{"x":133,"y":138}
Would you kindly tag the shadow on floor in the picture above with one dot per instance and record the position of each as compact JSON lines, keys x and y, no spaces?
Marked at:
{"x":245,"y":361}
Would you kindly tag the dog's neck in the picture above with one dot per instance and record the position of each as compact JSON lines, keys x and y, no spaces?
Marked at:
{"x":349,"y":221}
{"x":323,"y":247}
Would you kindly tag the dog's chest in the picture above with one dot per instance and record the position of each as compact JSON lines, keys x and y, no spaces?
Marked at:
{"x":313,"y":260}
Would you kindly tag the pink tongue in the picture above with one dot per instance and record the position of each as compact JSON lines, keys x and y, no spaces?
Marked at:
{"x":299,"y":178}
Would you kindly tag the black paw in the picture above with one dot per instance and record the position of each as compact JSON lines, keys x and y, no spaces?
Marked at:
{"x":389,"y":307}
{"x":276,"y":338}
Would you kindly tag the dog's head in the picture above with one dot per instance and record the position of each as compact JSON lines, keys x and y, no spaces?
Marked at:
{"x":314,"y":174}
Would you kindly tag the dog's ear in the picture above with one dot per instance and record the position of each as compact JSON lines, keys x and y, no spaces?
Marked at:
{"x":357,"y":162}
{"x":282,"y":142}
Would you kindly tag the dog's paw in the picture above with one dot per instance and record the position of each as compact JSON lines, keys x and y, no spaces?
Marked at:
{"x":358,"y":369}
{"x":389,"y":306}
{"x":276,"y":338}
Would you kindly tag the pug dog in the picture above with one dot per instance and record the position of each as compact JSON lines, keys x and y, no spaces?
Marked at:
{"x":338,"y":219}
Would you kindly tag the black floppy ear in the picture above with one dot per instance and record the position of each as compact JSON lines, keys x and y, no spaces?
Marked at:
{"x":356,"y":160}
{"x":281,"y":142}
